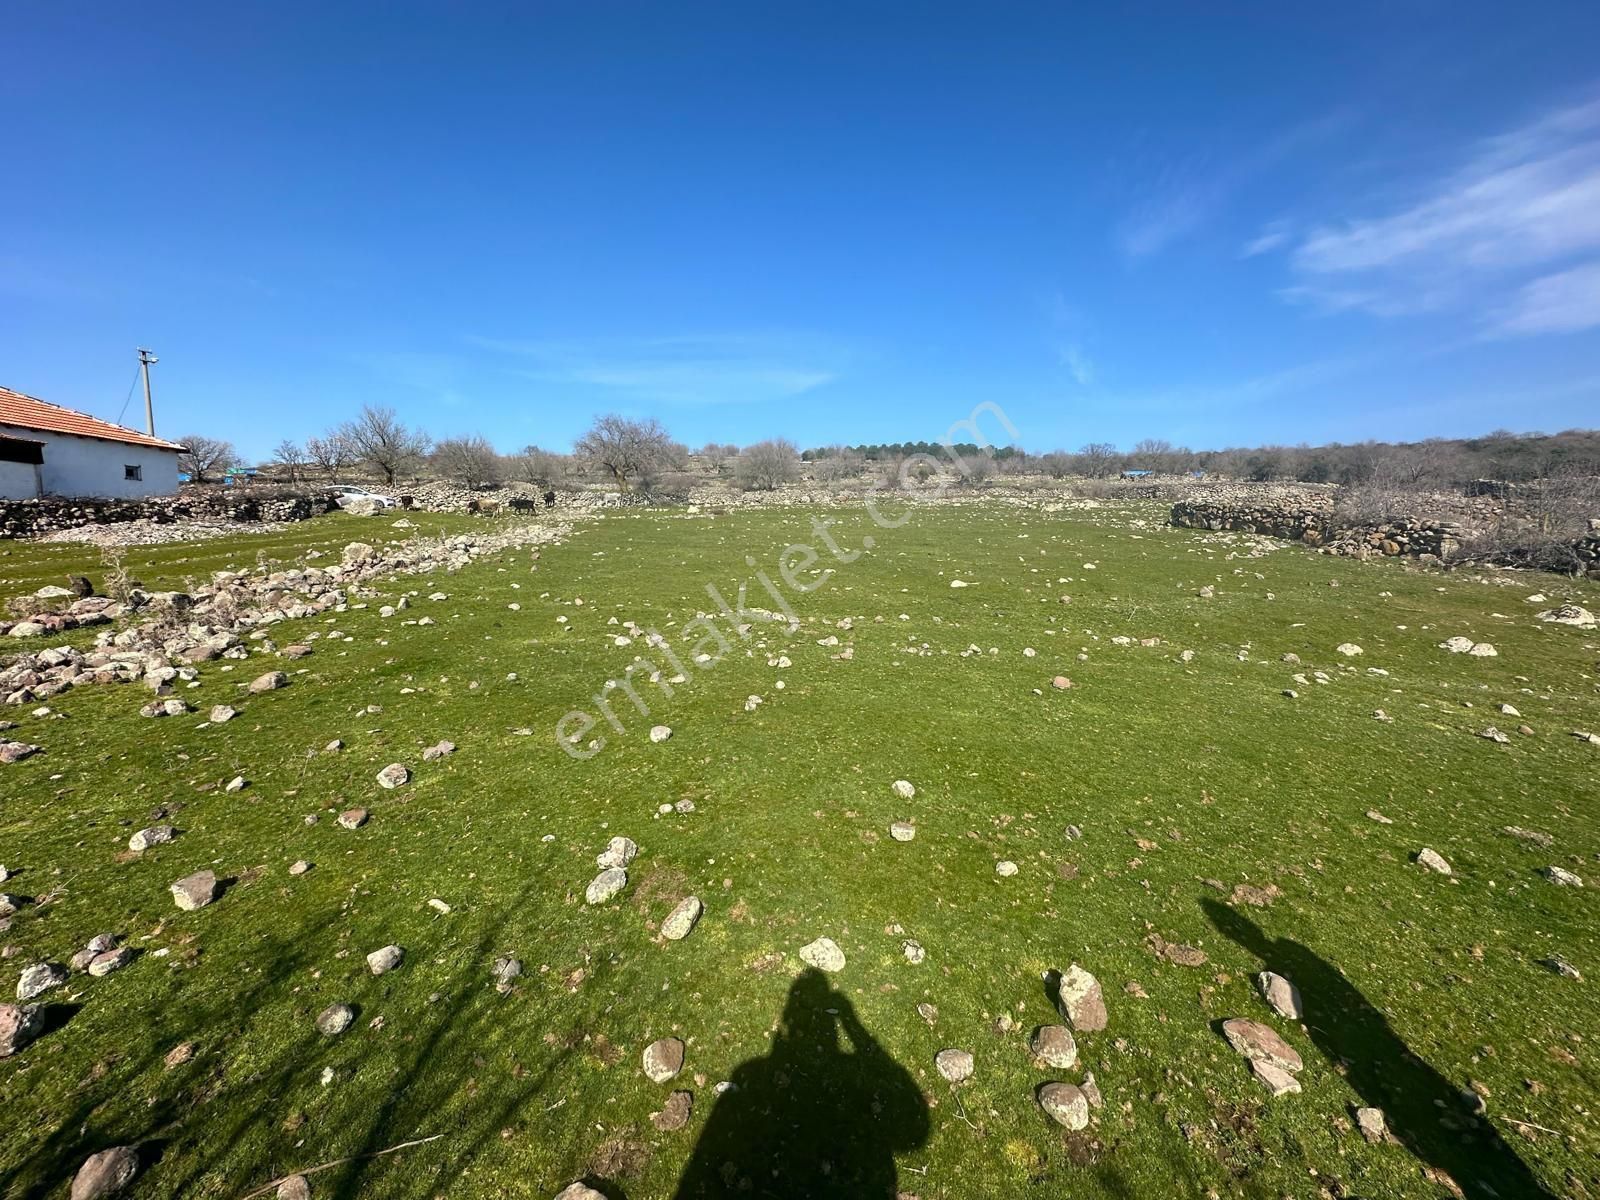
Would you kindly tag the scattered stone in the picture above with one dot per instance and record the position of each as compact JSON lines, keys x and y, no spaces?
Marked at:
{"x":506,"y":969}
{"x":353,"y":818}
{"x":1456,"y":645}
{"x":394,"y":775}
{"x":156,"y":835}
{"x":113,"y":959}
{"x":681,"y":920}
{"x":1261,"y":1043}
{"x":824,"y":954}
{"x":180,"y":1054}
{"x":105,"y":1173}
{"x":1374,"y":815}
{"x":335,"y":1019}
{"x":674,"y":1113}
{"x":1053,"y":1046}
{"x":1279,"y":1081}
{"x":295,"y":1187}
{"x":579,"y":1191}
{"x":903,"y":788}
{"x":1494,"y":735}
{"x":1281,"y":995}
{"x":605,"y":885}
{"x":1373,"y":1126}
{"x":15,"y":752}
{"x":1061,"y":683}
{"x":1562,"y":967}
{"x":1349,"y":649}
{"x":237,"y":784}
{"x":1528,"y":835}
{"x":1562,"y":877}
{"x":1483,"y":650}
{"x":663,"y":1059}
{"x":1081,"y":1001}
{"x":299,"y":867}
{"x":221,"y":714}
{"x":19,"y":1025}
{"x":1065,"y":1104}
{"x":1433,"y":861}
{"x":437,"y":751}
{"x":1005,"y":868}
{"x":954,"y":1065}
{"x":385,"y":959}
{"x":195,"y":891}
{"x":660,"y":733}
{"x":270,"y":682}
{"x":1569,"y":614}
{"x":902,"y":831}
{"x":619,"y":852}
{"x":913,"y":951}
{"x":39,"y":979}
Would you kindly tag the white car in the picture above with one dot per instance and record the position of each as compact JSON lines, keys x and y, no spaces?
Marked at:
{"x":344,"y":493}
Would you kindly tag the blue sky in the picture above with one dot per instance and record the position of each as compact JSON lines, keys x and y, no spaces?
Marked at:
{"x":1218,"y":224}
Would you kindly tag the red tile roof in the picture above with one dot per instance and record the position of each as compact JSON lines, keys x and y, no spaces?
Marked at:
{"x":29,"y":413}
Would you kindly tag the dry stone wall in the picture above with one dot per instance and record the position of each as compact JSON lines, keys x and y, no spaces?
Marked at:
{"x":33,"y":518}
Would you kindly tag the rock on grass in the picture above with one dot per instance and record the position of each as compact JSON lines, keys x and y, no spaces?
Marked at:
{"x":385,"y":959}
{"x":824,"y":954}
{"x":105,"y":1173}
{"x":1081,"y":1001}
{"x":663,"y":1059}
{"x":1053,"y":1046}
{"x":1066,"y":1104}
{"x":605,"y":885}
{"x":19,"y":1025}
{"x":1432,"y":860}
{"x":954,"y":1065}
{"x":681,"y":920}
{"x":195,"y":891}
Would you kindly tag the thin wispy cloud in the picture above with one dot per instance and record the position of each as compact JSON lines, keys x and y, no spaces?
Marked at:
{"x":1186,"y":195}
{"x":1273,"y":237}
{"x":1561,"y":303}
{"x":1522,"y":215}
{"x":1067,"y":332}
{"x":686,"y":370}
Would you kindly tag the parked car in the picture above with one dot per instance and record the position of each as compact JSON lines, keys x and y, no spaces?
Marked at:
{"x":344,"y":493}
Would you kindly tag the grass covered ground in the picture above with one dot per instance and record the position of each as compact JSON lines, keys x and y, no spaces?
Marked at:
{"x":1186,"y":779}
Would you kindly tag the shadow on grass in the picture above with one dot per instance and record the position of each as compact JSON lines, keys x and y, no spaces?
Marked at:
{"x":810,"y":1119}
{"x":1426,"y":1112}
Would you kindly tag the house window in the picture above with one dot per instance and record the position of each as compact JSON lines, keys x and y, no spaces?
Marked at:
{"x":132,"y":472}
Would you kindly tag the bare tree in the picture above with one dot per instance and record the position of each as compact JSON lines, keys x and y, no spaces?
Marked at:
{"x":331,"y":455}
{"x":204,"y":457}
{"x":838,"y":464}
{"x":538,"y":466}
{"x":380,"y":440}
{"x":291,"y":456}
{"x":627,"y":450}
{"x":1057,"y":464}
{"x":768,"y":465}
{"x":471,"y":461}
{"x":1097,"y":459}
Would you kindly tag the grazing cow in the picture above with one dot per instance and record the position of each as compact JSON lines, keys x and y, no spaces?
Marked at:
{"x":523,"y":504}
{"x":484,"y":508}
{"x":550,"y":499}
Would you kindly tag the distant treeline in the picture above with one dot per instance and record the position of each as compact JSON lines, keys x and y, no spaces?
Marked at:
{"x":1515,"y":457}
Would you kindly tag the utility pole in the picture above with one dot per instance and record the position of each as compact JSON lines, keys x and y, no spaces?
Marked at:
{"x":145,"y":359}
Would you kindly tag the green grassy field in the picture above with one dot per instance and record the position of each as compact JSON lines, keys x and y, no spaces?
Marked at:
{"x":1186,"y":779}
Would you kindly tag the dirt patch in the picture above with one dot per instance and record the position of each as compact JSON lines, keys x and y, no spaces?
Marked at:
{"x":620,"y":1157}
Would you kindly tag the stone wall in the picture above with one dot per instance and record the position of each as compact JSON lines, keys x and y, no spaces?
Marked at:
{"x":31,"y":518}
{"x":1319,"y":526}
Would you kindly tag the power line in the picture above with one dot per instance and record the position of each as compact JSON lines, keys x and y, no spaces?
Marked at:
{"x":129,"y":398}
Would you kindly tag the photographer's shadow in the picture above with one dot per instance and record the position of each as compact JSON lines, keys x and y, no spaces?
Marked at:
{"x":811,"y":1118}
{"x":1425,"y":1112}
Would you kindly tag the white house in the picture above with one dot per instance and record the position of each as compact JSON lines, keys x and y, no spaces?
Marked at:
{"x":47,"y":450}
